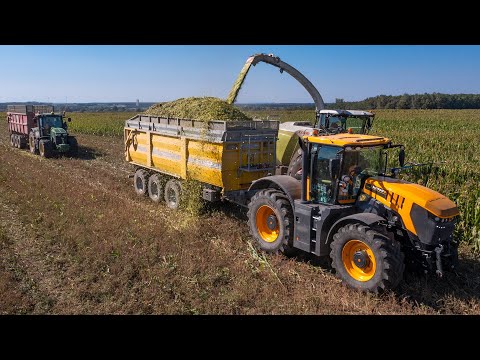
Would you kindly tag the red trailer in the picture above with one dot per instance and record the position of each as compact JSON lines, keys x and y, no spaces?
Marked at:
{"x":21,"y":119}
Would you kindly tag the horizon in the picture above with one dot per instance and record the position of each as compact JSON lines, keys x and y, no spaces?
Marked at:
{"x":161,"y":73}
{"x":236,"y":102}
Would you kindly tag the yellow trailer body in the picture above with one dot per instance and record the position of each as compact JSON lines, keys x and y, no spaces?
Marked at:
{"x":226,"y":154}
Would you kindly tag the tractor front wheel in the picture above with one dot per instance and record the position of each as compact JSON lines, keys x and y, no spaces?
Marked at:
{"x":366,"y":259}
{"x":73,"y":146}
{"x":270,"y":219}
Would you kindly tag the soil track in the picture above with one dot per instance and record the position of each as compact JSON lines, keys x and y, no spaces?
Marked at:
{"x":75,"y":239}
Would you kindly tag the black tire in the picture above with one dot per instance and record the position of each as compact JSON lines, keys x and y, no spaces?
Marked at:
{"x":45,"y":148}
{"x":155,"y":188}
{"x":12,"y":140}
{"x":295,"y":166}
{"x":21,"y":142}
{"x":270,"y":220}
{"x":72,"y":141}
{"x":31,"y":144}
{"x":384,"y":273}
{"x":140,"y":182}
{"x":173,"y":193}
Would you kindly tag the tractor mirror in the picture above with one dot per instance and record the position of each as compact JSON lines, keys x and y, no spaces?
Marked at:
{"x":401,"y":157}
{"x":334,"y":167}
{"x":69,"y":119}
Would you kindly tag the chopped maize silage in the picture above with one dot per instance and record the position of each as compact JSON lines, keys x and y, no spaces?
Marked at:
{"x":238,"y":83}
{"x":198,"y":108}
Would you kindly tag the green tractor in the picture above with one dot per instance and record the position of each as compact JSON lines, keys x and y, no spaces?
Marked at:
{"x":50,"y":136}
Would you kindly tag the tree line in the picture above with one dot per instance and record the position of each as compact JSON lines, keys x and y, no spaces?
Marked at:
{"x":416,"y":101}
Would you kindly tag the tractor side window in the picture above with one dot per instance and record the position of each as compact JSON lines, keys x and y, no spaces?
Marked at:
{"x":323,"y":183}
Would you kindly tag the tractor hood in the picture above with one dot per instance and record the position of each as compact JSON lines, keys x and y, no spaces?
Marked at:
{"x":396,"y":193}
{"x":58,"y":131}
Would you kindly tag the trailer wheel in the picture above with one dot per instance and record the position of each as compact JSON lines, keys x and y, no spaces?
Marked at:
{"x":12,"y":140}
{"x":173,"y":192}
{"x":21,"y":142}
{"x":270,"y":219}
{"x":31,"y":144}
{"x":155,"y":188}
{"x":365,"y":259}
{"x":140,"y":182}
{"x":45,"y":148}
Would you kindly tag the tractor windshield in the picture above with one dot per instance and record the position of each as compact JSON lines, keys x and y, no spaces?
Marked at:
{"x":343,"y":123}
{"x":358,"y":163}
{"x":52,"y":121}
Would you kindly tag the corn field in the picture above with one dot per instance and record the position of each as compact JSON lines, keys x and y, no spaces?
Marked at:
{"x":105,"y":124}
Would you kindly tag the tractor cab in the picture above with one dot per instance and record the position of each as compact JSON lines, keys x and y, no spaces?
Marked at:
{"x":348,"y":121}
{"x":47,"y":122}
{"x":340,"y":164}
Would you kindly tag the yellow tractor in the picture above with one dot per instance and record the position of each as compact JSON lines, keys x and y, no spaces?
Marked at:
{"x":350,"y":207}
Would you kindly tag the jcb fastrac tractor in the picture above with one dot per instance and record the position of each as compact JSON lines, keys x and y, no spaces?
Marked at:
{"x":350,"y":207}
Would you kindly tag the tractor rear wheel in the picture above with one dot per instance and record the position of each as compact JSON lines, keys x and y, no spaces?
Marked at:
{"x":295,"y":166}
{"x":270,"y":219}
{"x":31,"y":144}
{"x":45,"y":148}
{"x":173,"y":193}
{"x":140,"y":182}
{"x":365,"y":259}
{"x":155,"y":188}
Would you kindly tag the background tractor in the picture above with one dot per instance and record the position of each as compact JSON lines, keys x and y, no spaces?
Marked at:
{"x":43,"y":130}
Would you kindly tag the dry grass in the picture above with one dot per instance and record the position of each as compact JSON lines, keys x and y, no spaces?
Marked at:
{"x":86,"y":244}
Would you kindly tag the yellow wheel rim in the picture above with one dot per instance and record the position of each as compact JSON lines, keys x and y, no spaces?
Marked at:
{"x":359,"y":260}
{"x":267,"y":223}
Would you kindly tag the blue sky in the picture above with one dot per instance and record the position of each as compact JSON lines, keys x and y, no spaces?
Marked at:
{"x":164,"y":73}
